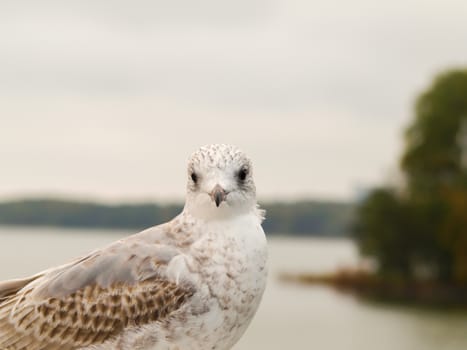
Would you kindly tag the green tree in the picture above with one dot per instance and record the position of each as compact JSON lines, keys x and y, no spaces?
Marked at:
{"x":434,"y":157}
{"x":425,"y":223}
{"x":379,"y":232}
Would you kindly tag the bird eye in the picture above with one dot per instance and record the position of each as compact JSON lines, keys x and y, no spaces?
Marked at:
{"x":194,"y":177}
{"x":242,"y":174}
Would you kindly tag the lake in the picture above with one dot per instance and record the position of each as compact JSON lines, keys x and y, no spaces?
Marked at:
{"x":291,"y":316}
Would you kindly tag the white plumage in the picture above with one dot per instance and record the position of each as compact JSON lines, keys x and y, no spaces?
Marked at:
{"x":192,"y":283}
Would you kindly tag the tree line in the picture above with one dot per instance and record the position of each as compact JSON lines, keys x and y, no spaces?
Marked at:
{"x":296,"y":218}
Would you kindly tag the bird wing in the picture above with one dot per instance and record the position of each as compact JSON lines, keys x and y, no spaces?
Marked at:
{"x":91,"y":300}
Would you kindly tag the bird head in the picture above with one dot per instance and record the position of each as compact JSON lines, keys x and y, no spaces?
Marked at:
{"x":220,"y":182}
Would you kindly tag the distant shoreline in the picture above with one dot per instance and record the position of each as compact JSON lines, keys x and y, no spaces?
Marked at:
{"x":302,"y":218}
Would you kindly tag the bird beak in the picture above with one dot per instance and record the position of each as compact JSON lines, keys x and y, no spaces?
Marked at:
{"x":218,"y":195}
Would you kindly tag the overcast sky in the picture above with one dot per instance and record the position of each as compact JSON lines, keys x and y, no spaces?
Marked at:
{"x":107,"y":99}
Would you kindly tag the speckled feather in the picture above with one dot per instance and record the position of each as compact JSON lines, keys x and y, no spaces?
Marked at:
{"x":192,"y":283}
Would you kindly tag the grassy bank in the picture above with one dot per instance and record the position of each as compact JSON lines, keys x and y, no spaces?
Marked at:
{"x":372,"y":286}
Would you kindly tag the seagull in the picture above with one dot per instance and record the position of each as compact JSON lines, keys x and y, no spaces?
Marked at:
{"x":193,"y":283}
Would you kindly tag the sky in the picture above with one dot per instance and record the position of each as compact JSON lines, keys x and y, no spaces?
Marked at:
{"x":107,"y":99}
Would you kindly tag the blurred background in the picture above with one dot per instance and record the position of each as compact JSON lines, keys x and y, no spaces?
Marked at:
{"x":354,"y":114}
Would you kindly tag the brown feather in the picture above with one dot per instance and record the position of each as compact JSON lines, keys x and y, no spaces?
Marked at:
{"x":8,"y":288}
{"x":91,"y":315}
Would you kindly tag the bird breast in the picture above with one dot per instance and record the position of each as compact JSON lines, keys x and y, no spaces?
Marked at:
{"x":230,"y":265}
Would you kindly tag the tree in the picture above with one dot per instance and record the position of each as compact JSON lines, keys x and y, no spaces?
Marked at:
{"x":381,"y":232}
{"x":425,"y":223}
{"x":436,"y":148}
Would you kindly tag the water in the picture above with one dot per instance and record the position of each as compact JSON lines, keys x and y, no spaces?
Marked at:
{"x":291,"y":316}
